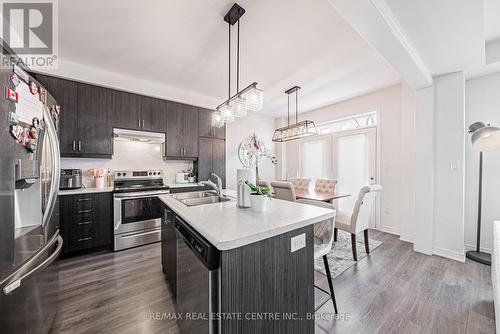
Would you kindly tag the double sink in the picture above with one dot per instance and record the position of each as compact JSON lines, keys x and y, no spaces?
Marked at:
{"x":200,"y":198}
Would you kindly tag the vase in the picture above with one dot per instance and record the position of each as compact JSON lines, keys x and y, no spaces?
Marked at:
{"x":99,"y":182}
{"x":259,"y":202}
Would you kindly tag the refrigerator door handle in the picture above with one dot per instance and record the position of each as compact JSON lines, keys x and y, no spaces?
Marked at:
{"x":56,"y":169}
{"x":14,"y":281}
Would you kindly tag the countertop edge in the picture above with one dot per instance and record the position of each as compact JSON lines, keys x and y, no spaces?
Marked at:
{"x":84,"y":191}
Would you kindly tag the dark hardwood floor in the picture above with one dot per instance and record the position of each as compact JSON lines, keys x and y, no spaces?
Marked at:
{"x":393,"y":290}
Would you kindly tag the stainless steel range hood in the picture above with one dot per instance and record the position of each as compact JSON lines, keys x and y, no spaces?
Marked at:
{"x":138,"y":136}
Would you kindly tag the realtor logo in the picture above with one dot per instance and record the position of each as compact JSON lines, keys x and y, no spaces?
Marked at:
{"x":29,"y":29}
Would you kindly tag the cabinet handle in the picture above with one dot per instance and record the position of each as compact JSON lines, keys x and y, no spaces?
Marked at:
{"x":84,"y":223}
{"x":143,"y":124}
{"x":139,"y":120}
{"x":84,"y":199}
{"x":74,"y":145}
{"x":79,"y":145}
{"x":84,"y":211}
{"x":85,"y":239}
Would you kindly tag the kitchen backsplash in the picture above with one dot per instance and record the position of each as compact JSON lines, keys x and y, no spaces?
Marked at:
{"x":129,"y":155}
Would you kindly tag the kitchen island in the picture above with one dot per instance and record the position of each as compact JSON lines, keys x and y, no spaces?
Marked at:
{"x":263,"y":280}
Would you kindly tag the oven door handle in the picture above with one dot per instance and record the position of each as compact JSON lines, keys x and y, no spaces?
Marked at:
{"x":139,"y":196}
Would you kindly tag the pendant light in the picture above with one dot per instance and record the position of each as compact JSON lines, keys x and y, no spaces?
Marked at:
{"x":298,"y":129}
{"x":249,"y":98}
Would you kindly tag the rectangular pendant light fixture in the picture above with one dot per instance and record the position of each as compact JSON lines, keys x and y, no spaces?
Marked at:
{"x":250,"y":98}
{"x":297,"y":130}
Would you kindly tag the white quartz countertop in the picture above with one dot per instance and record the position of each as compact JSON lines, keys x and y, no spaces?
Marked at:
{"x":226,"y":226}
{"x":89,"y":190}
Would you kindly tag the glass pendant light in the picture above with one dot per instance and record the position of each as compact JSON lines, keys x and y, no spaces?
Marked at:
{"x":217,"y":121}
{"x":298,"y":129}
{"x":248,"y":99}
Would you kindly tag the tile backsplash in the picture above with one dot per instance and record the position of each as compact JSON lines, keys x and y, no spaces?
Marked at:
{"x":129,"y":155}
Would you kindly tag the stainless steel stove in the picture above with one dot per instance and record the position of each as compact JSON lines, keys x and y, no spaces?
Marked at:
{"x":137,"y":209}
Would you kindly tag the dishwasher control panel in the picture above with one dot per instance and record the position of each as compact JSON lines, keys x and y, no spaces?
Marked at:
{"x":204,"y":250}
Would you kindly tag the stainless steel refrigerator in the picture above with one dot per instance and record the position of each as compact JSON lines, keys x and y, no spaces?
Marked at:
{"x":29,"y":227}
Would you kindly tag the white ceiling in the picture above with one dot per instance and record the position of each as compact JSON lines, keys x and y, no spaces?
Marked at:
{"x":447,"y":34}
{"x":491,"y":20}
{"x":183,"y":44}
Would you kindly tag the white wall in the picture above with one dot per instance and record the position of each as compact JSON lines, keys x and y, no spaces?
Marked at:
{"x":129,"y":155}
{"x":388,"y":104}
{"x":264,"y":127}
{"x":482,"y":104}
{"x":449,"y":159}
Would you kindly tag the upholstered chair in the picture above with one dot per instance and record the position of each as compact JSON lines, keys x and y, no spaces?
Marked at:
{"x":301,"y":184}
{"x":358,"y":220}
{"x":323,"y":240}
{"x":325,"y":185}
{"x":263,"y":183}
{"x":284,"y":190}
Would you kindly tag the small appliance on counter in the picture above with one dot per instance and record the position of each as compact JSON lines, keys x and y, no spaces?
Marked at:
{"x":70,"y":179}
{"x":181,"y":178}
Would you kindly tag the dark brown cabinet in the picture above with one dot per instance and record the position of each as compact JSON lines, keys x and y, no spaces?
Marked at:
{"x":85,"y":120}
{"x":154,"y":114}
{"x":182,"y":131}
{"x":85,"y":221}
{"x":65,"y":92}
{"x":212,"y":159}
{"x":126,"y":112}
{"x":94,"y":126}
{"x":205,"y":125}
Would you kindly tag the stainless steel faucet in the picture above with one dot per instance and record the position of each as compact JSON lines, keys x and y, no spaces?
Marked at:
{"x":217,"y":187}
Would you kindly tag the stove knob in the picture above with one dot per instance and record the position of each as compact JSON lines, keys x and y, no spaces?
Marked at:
{"x":154,"y":173}
{"x":124,"y":174}
{"x":159,"y":173}
{"x":149,"y":173}
{"x":119,"y":174}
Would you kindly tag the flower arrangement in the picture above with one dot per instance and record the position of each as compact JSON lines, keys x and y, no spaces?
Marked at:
{"x":256,"y":190}
{"x":98,"y":174}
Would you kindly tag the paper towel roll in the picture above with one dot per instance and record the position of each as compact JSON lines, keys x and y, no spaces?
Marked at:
{"x":245,"y":175}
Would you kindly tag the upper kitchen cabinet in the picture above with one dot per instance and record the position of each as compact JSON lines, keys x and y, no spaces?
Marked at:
{"x":154,"y":114}
{"x":212,"y":159}
{"x":94,"y":126}
{"x":65,"y":92}
{"x":182,"y":131}
{"x":205,"y":125}
{"x":126,"y":113}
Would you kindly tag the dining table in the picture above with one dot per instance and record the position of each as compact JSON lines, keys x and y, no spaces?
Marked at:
{"x":318,"y":196}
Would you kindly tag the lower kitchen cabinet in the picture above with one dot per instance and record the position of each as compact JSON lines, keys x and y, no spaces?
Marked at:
{"x":86,"y":221}
{"x":169,"y":250}
{"x":212,"y":159}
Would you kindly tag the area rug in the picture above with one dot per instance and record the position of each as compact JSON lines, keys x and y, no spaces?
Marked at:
{"x":340,"y":257}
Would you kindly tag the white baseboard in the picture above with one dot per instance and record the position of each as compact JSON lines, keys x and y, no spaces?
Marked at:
{"x":389,"y":229}
{"x":457,"y":256}
{"x":406,"y":237}
{"x":473,"y":247}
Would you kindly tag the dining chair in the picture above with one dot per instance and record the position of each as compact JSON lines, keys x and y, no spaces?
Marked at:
{"x":359,"y":219}
{"x":301,"y":183}
{"x":263,"y":183}
{"x":325,"y":185}
{"x":323,"y":240}
{"x":284,"y":190}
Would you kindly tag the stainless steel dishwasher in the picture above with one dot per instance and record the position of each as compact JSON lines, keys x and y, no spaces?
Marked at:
{"x":198,"y":296}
